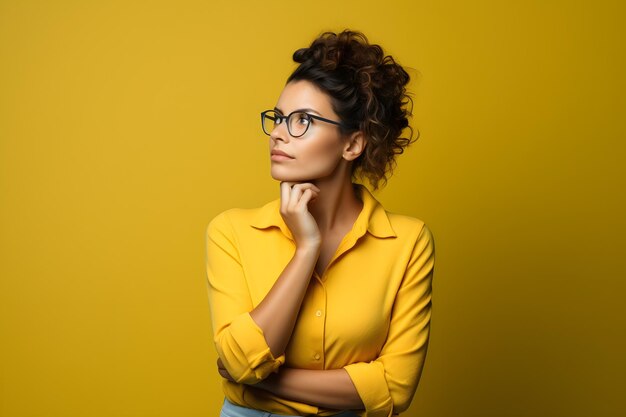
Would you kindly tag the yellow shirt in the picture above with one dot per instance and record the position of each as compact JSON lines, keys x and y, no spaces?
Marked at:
{"x":369,"y":313}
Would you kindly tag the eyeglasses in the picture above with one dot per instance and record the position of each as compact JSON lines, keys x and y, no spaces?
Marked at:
{"x":298,"y":122}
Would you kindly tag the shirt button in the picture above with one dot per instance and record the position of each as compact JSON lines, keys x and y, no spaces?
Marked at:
{"x":317,"y":356}
{"x":318,"y":313}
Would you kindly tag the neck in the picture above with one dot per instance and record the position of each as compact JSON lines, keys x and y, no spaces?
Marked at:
{"x":337,"y":205}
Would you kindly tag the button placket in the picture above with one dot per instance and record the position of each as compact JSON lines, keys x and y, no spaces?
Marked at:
{"x":318,"y":353}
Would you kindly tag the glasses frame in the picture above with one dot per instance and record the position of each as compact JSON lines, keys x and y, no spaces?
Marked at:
{"x":288,"y":119}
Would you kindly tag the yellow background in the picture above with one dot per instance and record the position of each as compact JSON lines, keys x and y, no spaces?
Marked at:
{"x":125,"y":126}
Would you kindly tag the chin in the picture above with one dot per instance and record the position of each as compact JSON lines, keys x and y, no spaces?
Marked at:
{"x":286,"y":176}
{"x":290,"y":178}
{"x":285,"y":173}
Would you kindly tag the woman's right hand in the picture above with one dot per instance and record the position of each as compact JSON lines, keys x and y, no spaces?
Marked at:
{"x":294,"y":200}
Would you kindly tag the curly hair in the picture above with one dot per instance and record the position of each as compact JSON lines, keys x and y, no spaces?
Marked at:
{"x":368,"y":93}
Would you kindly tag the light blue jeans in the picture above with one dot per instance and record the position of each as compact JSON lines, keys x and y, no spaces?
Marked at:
{"x":233,"y":410}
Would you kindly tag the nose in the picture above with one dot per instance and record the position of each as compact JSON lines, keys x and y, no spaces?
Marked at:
{"x":280,"y":133}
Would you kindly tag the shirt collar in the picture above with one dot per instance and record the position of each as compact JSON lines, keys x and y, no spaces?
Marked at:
{"x":372,"y":218}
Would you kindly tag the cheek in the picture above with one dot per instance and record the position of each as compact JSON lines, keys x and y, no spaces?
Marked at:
{"x":320,"y":158}
{"x":321,"y":152}
{"x":316,"y":159}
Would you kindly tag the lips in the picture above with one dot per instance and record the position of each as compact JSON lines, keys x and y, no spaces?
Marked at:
{"x":279,"y":152}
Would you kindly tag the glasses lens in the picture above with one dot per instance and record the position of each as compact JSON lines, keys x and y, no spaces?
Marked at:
{"x":269,"y":122}
{"x":299,"y":123}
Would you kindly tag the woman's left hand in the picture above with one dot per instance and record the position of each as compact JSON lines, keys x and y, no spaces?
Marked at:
{"x":222,"y":370}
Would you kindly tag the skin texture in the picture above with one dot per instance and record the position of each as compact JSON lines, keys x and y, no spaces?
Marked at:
{"x":319,"y":206}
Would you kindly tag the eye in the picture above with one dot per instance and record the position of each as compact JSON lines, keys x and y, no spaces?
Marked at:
{"x":303,"y":119}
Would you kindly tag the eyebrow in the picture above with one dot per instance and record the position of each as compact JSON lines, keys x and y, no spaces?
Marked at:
{"x":306,"y":109}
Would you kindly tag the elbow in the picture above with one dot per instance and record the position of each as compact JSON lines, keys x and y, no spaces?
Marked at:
{"x":244,"y":373}
{"x":251,"y":378}
{"x":244,"y":352}
{"x":400,"y":406}
{"x":247,"y":366}
{"x":402,"y":398}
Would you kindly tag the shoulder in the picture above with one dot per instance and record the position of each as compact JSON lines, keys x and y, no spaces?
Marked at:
{"x":413,"y":231}
{"x":236,"y":218}
{"x":405,"y":225}
{"x":226,"y":218}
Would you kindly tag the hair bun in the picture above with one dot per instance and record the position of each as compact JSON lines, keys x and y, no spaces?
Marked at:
{"x":368,"y":90}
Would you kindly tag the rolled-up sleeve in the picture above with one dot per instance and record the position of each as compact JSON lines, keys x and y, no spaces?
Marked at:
{"x":387,"y":384}
{"x":239,"y":341}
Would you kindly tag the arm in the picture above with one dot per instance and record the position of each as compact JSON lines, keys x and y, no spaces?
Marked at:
{"x":251,"y":341}
{"x":330,"y":388}
{"x":238,"y":340}
{"x":278,"y":311}
{"x":276,"y":314}
{"x":242,"y":342}
{"x":387,"y":384}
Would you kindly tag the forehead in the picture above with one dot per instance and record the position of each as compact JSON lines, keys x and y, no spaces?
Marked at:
{"x":304,"y":94}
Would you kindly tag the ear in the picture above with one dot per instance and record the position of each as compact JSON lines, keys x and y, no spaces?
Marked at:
{"x":354,"y":146}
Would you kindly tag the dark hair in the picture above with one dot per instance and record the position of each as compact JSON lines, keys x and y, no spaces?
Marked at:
{"x":368,"y":93}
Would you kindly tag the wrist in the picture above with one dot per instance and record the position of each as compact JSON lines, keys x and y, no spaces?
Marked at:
{"x":309,"y":248}
{"x":307,"y":256}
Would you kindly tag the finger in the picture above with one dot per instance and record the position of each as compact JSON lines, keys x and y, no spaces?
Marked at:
{"x":285,"y":190}
{"x":316,"y":190}
{"x":290,"y":184}
{"x":226,"y":375}
{"x":308,"y":195}
{"x":304,"y":200}
{"x":310,"y":185}
{"x":294,"y":197}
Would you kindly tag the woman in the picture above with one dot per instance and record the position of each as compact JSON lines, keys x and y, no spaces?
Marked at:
{"x":321,"y":299}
